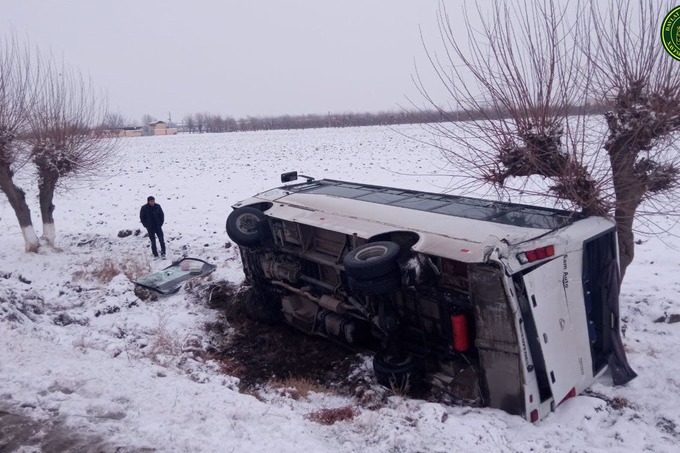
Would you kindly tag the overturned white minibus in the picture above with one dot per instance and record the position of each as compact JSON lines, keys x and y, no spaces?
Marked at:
{"x":497,"y":304}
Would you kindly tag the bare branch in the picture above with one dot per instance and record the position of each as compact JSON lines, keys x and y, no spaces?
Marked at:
{"x":524,"y":79}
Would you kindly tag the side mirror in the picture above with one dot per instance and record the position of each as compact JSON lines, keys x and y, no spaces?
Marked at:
{"x":289,"y":176}
{"x":293,"y":176}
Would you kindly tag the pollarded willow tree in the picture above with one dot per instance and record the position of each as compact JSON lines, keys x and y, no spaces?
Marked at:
{"x":18,"y":93}
{"x":530,"y":77}
{"x":49,"y":117}
{"x":65,"y":137}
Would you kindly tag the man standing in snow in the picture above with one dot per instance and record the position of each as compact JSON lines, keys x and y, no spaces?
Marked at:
{"x":152,"y":218}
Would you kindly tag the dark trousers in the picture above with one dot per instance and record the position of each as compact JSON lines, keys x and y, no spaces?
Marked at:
{"x":153,"y":232}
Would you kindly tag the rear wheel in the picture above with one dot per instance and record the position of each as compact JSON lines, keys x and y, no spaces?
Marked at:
{"x":371,"y":260}
{"x":243,"y":226}
{"x":376,"y":286}
{"x":401,"y":373}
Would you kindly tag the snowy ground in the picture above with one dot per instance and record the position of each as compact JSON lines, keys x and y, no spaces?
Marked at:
{"x":85,"y":365}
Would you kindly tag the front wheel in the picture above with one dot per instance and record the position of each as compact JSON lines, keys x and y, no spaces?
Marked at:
{"x":243,"y":226}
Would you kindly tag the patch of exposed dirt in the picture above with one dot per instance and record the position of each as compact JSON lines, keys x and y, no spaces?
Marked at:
{"x":260,"y":354}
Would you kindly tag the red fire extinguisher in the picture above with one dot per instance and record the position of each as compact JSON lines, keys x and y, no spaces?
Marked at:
{"x":459,"y":330}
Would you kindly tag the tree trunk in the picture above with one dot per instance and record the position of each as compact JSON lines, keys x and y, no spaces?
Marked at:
{"x":17,"y":199}
{"x":46,"y":187}
{"x":624,"y":217}
{"x":629,"y":193}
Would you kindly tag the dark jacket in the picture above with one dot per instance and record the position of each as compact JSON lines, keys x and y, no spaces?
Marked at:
{"x":152,"y":217}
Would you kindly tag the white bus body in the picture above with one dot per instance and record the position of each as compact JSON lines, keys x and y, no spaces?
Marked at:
{"x":502,"y":305}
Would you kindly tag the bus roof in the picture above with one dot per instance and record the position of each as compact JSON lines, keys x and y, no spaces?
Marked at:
{"x":451,"y":205}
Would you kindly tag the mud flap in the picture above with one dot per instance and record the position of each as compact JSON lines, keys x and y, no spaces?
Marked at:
{"x":170,"y":279}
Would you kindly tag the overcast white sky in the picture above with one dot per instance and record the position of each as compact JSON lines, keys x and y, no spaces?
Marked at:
{"x":238,"y":58}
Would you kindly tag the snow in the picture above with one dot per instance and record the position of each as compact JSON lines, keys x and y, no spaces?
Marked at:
{"x":91,"y":367}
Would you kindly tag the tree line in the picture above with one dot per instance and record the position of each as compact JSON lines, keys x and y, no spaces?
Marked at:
{"x":210,"y":123}
{"x":206,"y":122}
{"x":198,"y":123}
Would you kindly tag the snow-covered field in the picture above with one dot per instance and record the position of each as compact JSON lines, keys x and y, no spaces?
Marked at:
{"x":87,"y":366}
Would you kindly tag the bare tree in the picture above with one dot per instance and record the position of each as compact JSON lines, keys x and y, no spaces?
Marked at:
{"x":147,"y":119}
{"x":65,"y":138}
{"x":146,"y":123}
{"x":524,"y":79}
{"x":230,"y":124}
{"x":643,"y":89}
{"x":114,"y":120}
{"x":17,"y":94}
{"x":213,"y":123}
{"x":201,"y":121}
{"x":189,"y":123}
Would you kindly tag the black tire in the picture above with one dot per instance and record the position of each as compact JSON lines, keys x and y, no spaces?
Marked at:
{"x":244,"y":226}
{"x":263,"y":308}
{"x":402,"y":374}
{"x":371,"y":260}
{"x":376,"y":286}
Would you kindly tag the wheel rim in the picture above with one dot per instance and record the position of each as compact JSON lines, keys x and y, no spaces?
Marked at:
{"x":371,"y":253}
{"x":247,"y":223}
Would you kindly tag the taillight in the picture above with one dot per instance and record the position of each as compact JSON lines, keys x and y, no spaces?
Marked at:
{"x":571,"y":394}
{"x":536,"y":254}
{"x":534,"y":416}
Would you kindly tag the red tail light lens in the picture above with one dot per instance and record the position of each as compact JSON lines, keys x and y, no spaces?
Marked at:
{"x":571,"y":394}
{"x":531,"y":256}
{"x":534,"y":416}
{"x":537,"y":254}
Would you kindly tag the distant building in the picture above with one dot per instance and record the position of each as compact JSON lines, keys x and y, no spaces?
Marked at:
{"x":161,"y":128}
{"x":130,"y":131}
{"x":153,"y":128}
